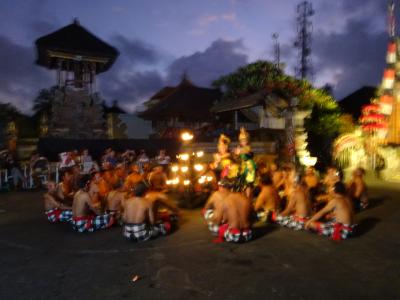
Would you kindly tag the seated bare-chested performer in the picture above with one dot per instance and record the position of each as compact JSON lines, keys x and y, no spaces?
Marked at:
{"x":87,"y":216}
{"x":94,"y":189}
{"x":164,"y":209}
{"x":158,"y":179}
{"x":140,"y":214}
{"x":267,"y":203}
{"x":55,"y":210}
{"x":133,"y":178}
{"x":65,"y":190}
{"x":114,"y":203}
{"x":311,"y":181}
{"x":213,"y":212}
{"x":298,"y":207}
{"x":236,"y":211}
{"x":120,"y":173}
{"x":332,"y":176}
{"x":357,"y":189}
{"x":342,"y":225}
{"x":276,"y":176}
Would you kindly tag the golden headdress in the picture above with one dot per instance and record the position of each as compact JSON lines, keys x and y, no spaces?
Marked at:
{"x":223,"y":139}
{"x":244,"y":135}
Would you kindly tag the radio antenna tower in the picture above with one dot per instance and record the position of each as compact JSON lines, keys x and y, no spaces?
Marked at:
{"x":391,"y":20}
{"x":277,"y":50}
{"x":303,"y":40}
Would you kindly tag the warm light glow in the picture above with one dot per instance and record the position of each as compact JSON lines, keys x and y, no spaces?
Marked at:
{"x":184,"y":156}
{"x":200,"y":153}
{"x":198,"y":167}
{"x":184,"y":169}
{"x":186,"y":136}
{"x":169,"y":182}
{"x":175,"y":181}
{"x":209,"y":178}
{"x":202,"y":179}
{"x":308,"y":161}
{"x":186,"y":182}
{"x":174,"y":168}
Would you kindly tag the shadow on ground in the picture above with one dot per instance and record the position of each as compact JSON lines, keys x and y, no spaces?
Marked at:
{"x":261,"y":230}
{"x":366,"y":225}
{"x":376,"y":201}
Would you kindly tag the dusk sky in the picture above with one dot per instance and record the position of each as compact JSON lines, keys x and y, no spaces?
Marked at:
{"x":160,"y":39}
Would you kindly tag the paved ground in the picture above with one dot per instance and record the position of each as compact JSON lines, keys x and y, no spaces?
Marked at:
{"x":44,"y":261}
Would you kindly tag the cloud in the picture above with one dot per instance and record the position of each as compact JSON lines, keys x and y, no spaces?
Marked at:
{"x":220,"y":58}
{"x":350,"y":59}
{"x":131,"y":90}
{"x":203,"y":23}
{"x":132,"y":86}
{"x":133,"y":78}
{"x":136,"y":51}
{"x":40,"y":28}
{"x":20,"y":78}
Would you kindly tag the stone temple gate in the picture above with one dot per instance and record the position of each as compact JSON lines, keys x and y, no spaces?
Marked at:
{"x":77,"y":56}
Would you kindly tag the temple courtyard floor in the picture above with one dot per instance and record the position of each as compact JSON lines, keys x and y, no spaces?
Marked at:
{"x":48,"y":261}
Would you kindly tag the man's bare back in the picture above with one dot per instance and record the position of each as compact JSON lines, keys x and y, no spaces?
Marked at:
{"x":268,"y":199}
{"x":82,"y":204}
{"x":298,"y":204}
{"x":236,"y":208}
{"x":215,"y":203}
{"x":160,"y":200}
{"x":114,"y":200}
{"x":137,"y":210}
{"x":341,"y":208}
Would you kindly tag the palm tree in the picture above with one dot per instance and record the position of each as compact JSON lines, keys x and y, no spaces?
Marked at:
{"x":43,"y":102}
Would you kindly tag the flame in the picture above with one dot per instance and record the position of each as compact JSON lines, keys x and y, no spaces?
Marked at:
{"x":186,"y":136}
{"x":198,"y":167}
{"x":199,"y":153}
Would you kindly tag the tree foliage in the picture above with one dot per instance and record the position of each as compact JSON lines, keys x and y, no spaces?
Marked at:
{"x":323,"y":125}
{"x":44,"y":101}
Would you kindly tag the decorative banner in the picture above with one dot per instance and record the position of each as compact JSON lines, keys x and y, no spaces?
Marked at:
{"x":369,"y":108}
{"x":381,"y":133}
{"x":345,"y":141}
{"x":374,"y":126}
{"x":388,"y":79}
{"x":386,"y":109}
{"x":386,"y":99}
{"x":391,"y":53}
{"x":374,"y":117}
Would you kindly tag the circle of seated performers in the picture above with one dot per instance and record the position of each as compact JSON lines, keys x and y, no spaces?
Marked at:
{"x":136,"y":198}
{"x":288,"y":199}
{"x":99,"y":200}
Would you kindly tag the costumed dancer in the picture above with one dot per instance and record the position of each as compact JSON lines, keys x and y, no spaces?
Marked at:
{"x":223,"y":164}
{"x":247,"y":175}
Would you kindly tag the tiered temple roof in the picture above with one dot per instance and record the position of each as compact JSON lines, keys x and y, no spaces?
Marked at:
{"x":186,"y":101}
{"x":74,"y":42}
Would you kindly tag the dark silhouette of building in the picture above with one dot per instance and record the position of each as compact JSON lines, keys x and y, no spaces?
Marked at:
{"x":353,"y":103}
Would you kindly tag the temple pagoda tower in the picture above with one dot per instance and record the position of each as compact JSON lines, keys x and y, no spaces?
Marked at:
{"x":77,"y":56}
{"x":388,"y":101}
